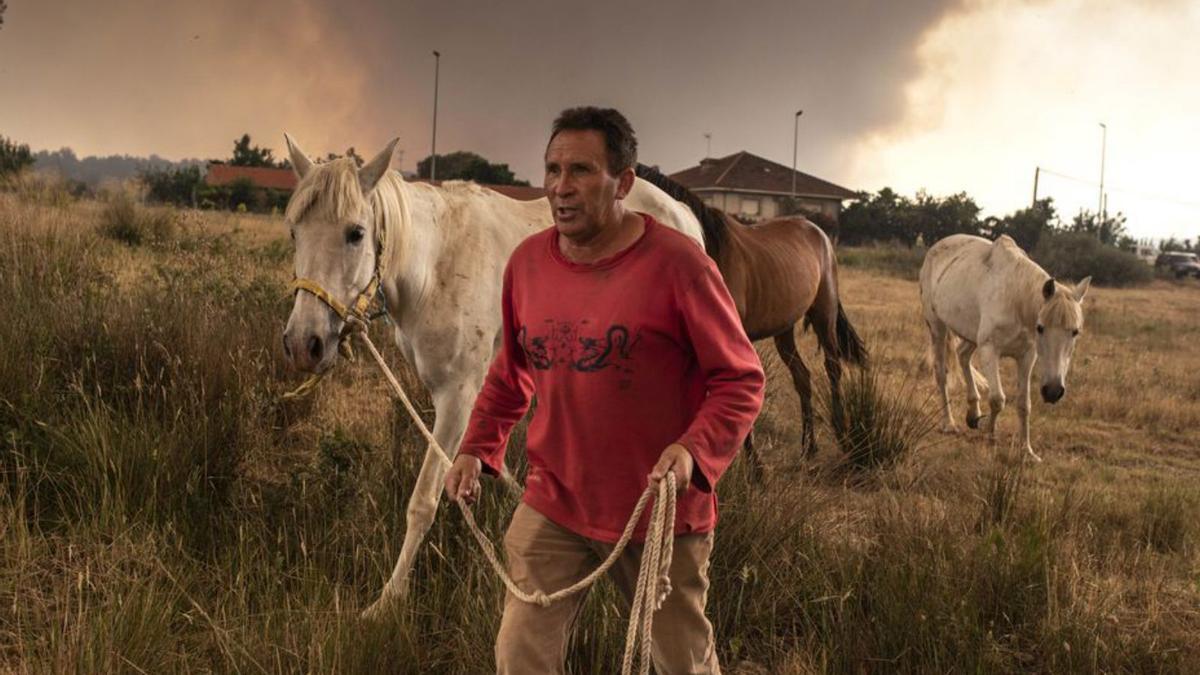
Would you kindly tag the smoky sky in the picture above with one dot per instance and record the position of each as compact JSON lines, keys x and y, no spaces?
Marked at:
{"x":185,"y":79}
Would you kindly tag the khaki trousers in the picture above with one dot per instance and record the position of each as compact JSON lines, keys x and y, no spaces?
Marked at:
{"x":547,"y":557}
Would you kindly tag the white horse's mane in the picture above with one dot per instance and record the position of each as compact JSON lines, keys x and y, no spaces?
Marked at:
{"x":1061,"y":309}
{"x":331,"y":190}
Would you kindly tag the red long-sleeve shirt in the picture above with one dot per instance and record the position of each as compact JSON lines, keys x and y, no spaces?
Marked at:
{"x":626,"y":356}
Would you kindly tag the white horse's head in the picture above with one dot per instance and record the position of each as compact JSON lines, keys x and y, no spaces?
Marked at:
{"x":1059,"y":322}
{"x":334,"y":226}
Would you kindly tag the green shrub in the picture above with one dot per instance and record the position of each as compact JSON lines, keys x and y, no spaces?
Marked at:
{"x":894,"y":259}
{"x":1075,"y":255}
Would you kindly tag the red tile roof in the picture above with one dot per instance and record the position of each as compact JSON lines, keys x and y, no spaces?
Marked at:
{"x":285,"y":179}
{"x":278,"y":179}
{"x":744,"y":171}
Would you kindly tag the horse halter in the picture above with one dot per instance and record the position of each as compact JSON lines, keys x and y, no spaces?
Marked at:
{"x":355,"y":317}
{"x":357,"y":310}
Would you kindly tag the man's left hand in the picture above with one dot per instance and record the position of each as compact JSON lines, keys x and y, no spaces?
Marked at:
{"x":675,"y":458}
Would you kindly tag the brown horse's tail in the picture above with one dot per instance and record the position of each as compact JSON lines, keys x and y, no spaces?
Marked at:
{"x":851,"y":348}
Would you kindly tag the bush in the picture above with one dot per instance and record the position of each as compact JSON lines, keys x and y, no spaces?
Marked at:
{"x":172,"y":186}
{"x":124,"y":220}
{"x":46,"y":188}
{"x":893,"y":259}
{"x":1075,"y":255}
{"x":888,"y":216}
{"x":883,"y":423}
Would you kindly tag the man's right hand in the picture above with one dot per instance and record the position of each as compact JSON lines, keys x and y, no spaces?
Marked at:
{"x":462,"y":480}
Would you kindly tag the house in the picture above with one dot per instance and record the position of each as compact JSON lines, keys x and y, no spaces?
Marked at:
{"x":261,"y":176}
{"x":285,"y":180}
{"x":753,"y":188}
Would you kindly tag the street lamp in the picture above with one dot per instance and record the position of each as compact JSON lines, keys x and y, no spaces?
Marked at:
{"x":795,"y":138}
{"x":437,"y":62}
{"x":1103,"y":145}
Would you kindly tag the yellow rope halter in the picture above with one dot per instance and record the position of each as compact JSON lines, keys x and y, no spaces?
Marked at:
{"x":355,"y":318}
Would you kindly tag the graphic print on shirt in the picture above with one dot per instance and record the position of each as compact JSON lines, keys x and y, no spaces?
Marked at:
{"x":571,"y":344}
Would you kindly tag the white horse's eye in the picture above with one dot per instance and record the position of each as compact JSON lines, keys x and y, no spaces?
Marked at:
{"x":1075,"y":333}
{"x":1041,"y":328}
{"x":355,"y":235}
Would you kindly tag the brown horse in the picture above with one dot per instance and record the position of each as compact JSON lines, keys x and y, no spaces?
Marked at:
{"x":779,"y":272}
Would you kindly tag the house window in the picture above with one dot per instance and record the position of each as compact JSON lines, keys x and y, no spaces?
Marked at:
{"x":749,"y":206}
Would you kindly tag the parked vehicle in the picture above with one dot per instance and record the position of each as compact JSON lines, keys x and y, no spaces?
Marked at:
{"x":1179,"y":263}
{"x":1148,"y":254}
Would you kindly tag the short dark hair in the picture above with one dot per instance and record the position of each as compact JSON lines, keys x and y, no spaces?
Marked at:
{"x":620,"y":143}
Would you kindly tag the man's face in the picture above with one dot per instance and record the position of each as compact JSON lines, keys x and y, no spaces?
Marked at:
{"x":583,"y":194}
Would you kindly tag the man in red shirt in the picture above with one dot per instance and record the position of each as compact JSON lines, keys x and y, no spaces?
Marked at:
{"x":626,"y":333}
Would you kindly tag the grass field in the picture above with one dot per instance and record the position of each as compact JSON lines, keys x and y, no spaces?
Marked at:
{"x":161,"y":510}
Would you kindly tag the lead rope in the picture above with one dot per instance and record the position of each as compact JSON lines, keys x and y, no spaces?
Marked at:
{"x":653,"y":582}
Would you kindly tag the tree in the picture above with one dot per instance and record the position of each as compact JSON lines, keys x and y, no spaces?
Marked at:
{"x":1110,"y":231}
{"x":245,"y":154}
{"x":172,"y":186}
{"x":241,"y":192}
{"x":877,"y":217}
{"x":469,"y":166}
{"x":1026,"y":226}
{"x":350,"y":152}
{"x":3,"y":7}
{"x":14,"y":157}
{"x":934,"y":218}
{"x":1173,"y":244}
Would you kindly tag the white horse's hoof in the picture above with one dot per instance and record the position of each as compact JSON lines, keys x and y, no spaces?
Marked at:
{"x":379,"y":609}
{"x":372,"y":613}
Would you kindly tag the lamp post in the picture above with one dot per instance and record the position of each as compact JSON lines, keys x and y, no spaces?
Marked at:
{"x":795,"y":139}
{"x":437,"y":62}
{"x":1103,"y":147}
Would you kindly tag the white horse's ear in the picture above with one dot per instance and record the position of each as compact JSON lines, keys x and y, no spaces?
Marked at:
{"x":1081,"y":288}
{"x":301,"y":164}
{"x":369,"y":175}
{"x":1048,"y":289}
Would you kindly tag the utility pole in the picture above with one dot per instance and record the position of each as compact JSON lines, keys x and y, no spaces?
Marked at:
{"x":1103,"y":147}
{"x":1036,"y":171}
{"x":795,"y":138}
{"x":437,"y":62}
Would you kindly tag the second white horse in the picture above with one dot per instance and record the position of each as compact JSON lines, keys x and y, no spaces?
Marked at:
{"x":1002,"y":304}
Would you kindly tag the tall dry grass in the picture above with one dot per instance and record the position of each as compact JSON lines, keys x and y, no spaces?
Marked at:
{"x":162,"y":511}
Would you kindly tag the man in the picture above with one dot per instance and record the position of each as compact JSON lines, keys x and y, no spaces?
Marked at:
{"x":626,"y":333}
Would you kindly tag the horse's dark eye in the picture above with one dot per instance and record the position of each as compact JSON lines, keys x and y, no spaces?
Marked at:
{"x":1075,"y":333}
{"x":354,"y":235}
{"x":1041,"y":328}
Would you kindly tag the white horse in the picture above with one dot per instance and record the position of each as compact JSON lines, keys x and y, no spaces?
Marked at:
{"x":439,"y":255}
{"x":997,"y":300}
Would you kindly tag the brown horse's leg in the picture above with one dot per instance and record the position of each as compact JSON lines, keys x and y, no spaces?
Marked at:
{"x":785,"y":344}
{"x":823,"y":318}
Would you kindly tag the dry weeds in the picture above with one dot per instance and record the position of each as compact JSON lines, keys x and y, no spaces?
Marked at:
{"x":162,"y":511}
